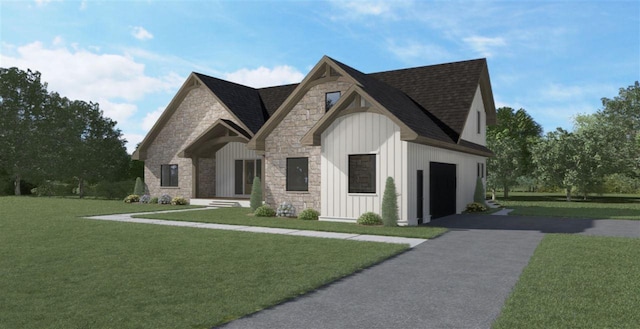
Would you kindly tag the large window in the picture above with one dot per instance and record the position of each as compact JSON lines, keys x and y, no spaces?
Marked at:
{"x":169,"y":175}
{"x":297,"y":174}
{"x":362,"y":173}
{"x":480,"y":170}
{"x":245,"y":171}
{"x":330,"y":99}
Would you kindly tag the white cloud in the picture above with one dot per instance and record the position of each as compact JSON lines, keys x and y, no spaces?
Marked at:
{"x":150,"y":119}
{"x":485,"y":46}
{"x":366,"y":8}
{"x":132,"y":141}
{"x":117,"y":111}
{"x":140,"y":33}
{"x":42,"y":2}
{"x":81,"y":74}
{"x":83,"y":4}
{"x":413,"y":50}
{"x":265,"y":77}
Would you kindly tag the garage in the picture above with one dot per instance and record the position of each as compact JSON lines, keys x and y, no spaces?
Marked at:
{"x":442,"y":178}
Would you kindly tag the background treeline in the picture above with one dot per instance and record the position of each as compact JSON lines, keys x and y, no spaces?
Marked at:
{"x":51,"y":145}
{"x":600,"y":155}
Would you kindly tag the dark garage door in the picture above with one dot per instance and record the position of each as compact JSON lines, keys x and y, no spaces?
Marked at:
{"x":442,"y":178}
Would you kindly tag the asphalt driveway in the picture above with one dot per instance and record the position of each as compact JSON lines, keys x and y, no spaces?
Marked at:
{"x":458,"y":280}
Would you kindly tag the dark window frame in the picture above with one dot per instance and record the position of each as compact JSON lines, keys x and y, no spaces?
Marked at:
{"x":297,"y":183}
{"x":479,"y":122}
{"x":371,"y":173}
{"x":327,"y":104}
{"x":171,"y":175}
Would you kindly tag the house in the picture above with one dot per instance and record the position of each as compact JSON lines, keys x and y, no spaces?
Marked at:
{"x":329,"y":142}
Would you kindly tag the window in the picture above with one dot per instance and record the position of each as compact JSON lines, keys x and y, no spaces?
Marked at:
{"x":245,"y":171}
{"x":330,"y":99}
{"x":297,"y":174}
{"x":169,"y":175}
{"x":480,"y":170}
{"x":362,"y":173}
{"x":479,"y":122}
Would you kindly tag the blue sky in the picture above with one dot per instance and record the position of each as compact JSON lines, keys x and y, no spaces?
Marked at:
{"x":555,"y":59}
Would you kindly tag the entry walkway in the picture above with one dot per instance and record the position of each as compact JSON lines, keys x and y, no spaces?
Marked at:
{"x":412,"y":242}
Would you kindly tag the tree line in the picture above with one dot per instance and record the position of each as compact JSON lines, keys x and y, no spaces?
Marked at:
{"x":45,"y":137}
{"x":601,"y":153}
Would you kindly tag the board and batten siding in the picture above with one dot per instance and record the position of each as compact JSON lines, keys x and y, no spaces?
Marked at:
{"x":359,"y":133}
{"x":470,"y":132}
{"x":419,"y":158}
{"x":225,"y":169}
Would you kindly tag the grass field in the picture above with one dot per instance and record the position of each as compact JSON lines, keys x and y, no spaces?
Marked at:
{"x":240,"y":216}
{"x":61,"y":271}
{"x":555,"y":205}
{"x":577,"y":282}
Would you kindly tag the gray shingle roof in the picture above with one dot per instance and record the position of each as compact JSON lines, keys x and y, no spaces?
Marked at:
{"x":433,"y":101}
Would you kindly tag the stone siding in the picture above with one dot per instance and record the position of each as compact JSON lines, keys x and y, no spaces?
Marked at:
{"x":284,"y":142}
{"x":196,"y":113}
{"x":206,"y":177}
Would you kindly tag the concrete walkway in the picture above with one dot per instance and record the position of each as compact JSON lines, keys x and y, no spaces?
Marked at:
{"x":412,"y":242}
{"x":458,"y":280}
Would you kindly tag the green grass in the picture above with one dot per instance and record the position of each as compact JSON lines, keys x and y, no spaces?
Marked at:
{"x":555,"y":205}
{"x":240,"y":216}
{"x":61,"y":271}
{"x":577,"y":282}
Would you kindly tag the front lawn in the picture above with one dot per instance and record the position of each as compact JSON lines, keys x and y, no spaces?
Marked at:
{"x":577,"y":281}
{"x":555,"y":205}
{"x":240,"y":216}
{"x":58,"y":270}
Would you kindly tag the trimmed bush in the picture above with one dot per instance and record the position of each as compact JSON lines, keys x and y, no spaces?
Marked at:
{"x":479,"y":195}
{"x":153,"y":200}
{"x":139,"y":187}
{"x":165,"y":199}
{"x":475,"y":207}
{"x":370,"y":218}
{"x":309,"y":214}
{"x":132,"y":198}
{"x":145,"y":198}
{"x":179,"y":201}
{"x":256,"y":194}
{"x":390,"y":204}
{"x":286,"y":209}
{"x":264,"y":211}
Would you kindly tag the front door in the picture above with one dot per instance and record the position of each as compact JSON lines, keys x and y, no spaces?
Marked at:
{"x":442,"y":190}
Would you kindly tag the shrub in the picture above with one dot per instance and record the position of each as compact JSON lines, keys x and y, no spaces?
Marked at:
{"x":145,"y":198}
{"x":309,"y":214}
{"x":264,"y":211}
{"x":139,"y":187}
{"x":52,"y":188}
{"x":132,"y":198}
{"x":256,"y":194}
{"x":370,"y":218}
{"x":110,"y":190}
{"x":479,"y":195}
{"x":390,"y":203}
{"x":179,"y":201}
{"x":286,"y":209}
{"x":475,"y":207}
{"x":165,"y":199}
{"x":153,"y":200}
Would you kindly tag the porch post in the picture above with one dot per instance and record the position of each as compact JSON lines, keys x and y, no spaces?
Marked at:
{"x":194,"y":176}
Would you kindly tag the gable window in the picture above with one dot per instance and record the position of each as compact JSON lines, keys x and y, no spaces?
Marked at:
{"x":330,"y":99}
{"x":297,"y":174}
{"x":169,"y":175}
{"x":362,"y":173}
{"x":479,"y":122}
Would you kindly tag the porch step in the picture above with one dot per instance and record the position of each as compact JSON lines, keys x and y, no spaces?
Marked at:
{"x":224,"y":204}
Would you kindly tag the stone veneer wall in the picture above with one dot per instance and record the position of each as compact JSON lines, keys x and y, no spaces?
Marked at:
{"x":206,"y":177}
{"x":284,"y":142}
{"x":196,"y":113}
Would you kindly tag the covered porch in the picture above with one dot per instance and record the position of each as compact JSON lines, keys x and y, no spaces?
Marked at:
{"x":223,"y":168}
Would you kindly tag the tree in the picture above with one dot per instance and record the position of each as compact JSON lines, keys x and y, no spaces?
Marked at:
{"x":24,"y":141}
{"x":390,"y":203}
{"x":139,"y":189}
{"x":479,"y":194}
{"x":511,"y":141}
